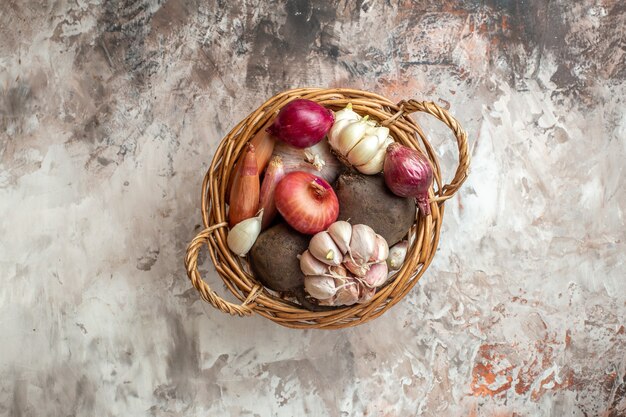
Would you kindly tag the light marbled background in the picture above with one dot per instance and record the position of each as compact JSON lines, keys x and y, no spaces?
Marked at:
{"x":111,"y":111}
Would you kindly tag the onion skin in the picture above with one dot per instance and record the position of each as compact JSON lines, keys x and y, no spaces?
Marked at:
{"x":245,"y":192}
{"x":317,"y":159}
{"x":273,"y":175}
{"x":408,"y":173}
{"x":263,"y":148}
{"x":302,"y":123}
{"x":306,"y":202}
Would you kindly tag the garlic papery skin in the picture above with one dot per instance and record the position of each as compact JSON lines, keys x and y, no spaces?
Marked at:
{"x":362,"y":243}
{"x":243,"y":235}
{"x":359,"y":268}
{"x":338,"y":272}
{"x":320,"y":287}
{"x":364,"y":151}
{"x":341,"y":233}
{"x":311,"y":266}
{"x":347,"y":294}
{"x":365,"y":294}
{"x":324,"y":249}
{"x":376,"y":276}
{"x":397,"y":254}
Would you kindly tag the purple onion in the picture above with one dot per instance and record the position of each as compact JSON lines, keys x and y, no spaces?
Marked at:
{"x":408,"y":173}
{"x":302,"y":123}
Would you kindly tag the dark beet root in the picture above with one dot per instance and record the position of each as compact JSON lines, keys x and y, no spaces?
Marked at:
{"x":365,"y":199}
{"x":274,"y":260}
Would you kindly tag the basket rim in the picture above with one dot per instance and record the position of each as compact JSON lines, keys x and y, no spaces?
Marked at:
{"x":235,"y":272}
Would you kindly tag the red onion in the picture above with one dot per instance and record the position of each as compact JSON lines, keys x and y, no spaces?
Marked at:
{"x":408,"y":173}
{"x":306,"y":202}
{"x":302,"y":123}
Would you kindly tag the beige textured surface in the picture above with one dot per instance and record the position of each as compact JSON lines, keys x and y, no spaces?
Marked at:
{"x":110,"y":113}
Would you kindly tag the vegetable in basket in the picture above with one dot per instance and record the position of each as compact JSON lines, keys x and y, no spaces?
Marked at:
{"x":344,"y":264}
{"x":365,"y":199}
{"x":317,"y":159}
{"x":306,"y":202}
{"x":241,"y":237}
{"x":302,"y":123}
{"x":408,"y":173}
{"x":273,"y":258}
{"x":359,"y":141}
{"x":263,"y":144}
{"x":244,"y":199}
{"x":275,"y":172}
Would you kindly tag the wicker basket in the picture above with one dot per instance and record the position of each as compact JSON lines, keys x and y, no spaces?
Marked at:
{"x":235,"y":271}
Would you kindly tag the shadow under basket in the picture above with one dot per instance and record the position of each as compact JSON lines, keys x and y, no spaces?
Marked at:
{"x":235,"y":271}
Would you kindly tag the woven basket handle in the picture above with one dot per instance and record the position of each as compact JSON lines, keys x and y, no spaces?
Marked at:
{"x":431,"y":108}
{"x":191,"y":264}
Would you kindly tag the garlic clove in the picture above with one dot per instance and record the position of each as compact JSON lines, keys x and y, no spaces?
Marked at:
{"x":243,"y":235}
{"x":383,"y":134}
{"x":341,"y":232}
{"x":375,"y":164}
{"x":324,"y":249}
{"x":358,"y":268}
{"x":365,"y":294}
{"x":320,"y":287}
{"x":362,"y":242}
{"x":376,"y":276}
{"x":327,"y":302}
{"x":350,"y":136}
{"x":364,"y":151}
{"x":397,"y":254}
{"x":347,"y":294}
{"x":336,"y":132}
{"x":338,"y":271}
{"x":382,"y":250}
{"x":311,"y":266}
{"x":346,"y":114}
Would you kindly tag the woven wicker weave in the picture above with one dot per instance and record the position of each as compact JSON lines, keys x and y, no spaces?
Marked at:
{"x":234,"y":270}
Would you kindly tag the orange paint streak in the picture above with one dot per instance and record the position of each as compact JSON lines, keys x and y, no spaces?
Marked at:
{"x":486,"y":372}
{"x":525,"y":378}
{"x":493,"y":371}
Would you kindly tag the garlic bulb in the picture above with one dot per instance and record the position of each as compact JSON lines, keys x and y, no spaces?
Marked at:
{"x":344,"y":264}
{"x":243,"y":235}
{"x":359,"y":141}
